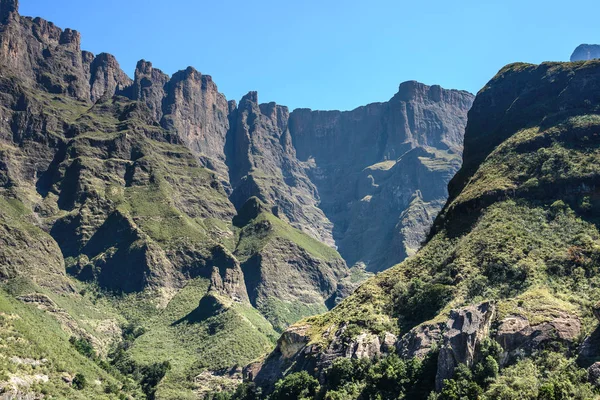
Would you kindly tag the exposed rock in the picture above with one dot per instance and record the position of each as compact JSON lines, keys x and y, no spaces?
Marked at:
{"x":106,"y":77}
{"x":230,"y":282}
{"x":465,"y":329}
{"x":149,"y":86}
{"x":262,"y":162}
{"x":419,"y":341}
{"x":366,"y":176}
{"x":289,"y":275}
{"x":195,"y":109}
{"x":295,"y":352}
{"x":519,"y":337}
{"x":210,"y":382}
{"x":586,"y":52}
{"x":594,"y":374}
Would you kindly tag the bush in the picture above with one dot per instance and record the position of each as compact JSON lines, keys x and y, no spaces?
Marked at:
{"x":79,"y":382}
{"x":151,"y":377}
{"x":296,"y":386}
{"x":83,"y":346}
{"x":419,"y":301}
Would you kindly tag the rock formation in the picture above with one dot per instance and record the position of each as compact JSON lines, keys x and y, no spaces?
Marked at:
{"x":519,"y":231}
{"x":585,"y":52}
{"x":160,"y":216}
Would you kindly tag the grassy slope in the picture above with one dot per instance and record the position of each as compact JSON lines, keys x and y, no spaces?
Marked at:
{"x":193,"y":338}
{"x":263,"y":232}
{"x":252,"y":240}
{"x":236,"y":336}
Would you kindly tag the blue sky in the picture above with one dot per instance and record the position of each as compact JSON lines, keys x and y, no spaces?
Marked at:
{"x":328,"y":54}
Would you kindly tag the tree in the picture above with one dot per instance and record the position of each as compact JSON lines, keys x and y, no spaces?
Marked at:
{"x":296,"y":386}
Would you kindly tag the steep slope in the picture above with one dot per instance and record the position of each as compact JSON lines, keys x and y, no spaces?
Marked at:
{"x":508,"y":278}
{"x":350,"y":178}
{"x":99,"y":183}
{"x":288,"y":275}
{"x":165,"y":234}
{"x":585,"y":52}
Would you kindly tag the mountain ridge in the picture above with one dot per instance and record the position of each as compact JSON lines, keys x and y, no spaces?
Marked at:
{"x":122,"y":215}
{"x":506,"y":282}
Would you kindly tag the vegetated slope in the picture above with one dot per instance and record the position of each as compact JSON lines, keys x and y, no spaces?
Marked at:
{"x":167,"y":234}
{"x":92,"y":184}
{"x":499,"y":303}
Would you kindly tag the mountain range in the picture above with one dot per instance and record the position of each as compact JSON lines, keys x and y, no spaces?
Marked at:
{"x":161,"y":237}
{"x":159,"y":241}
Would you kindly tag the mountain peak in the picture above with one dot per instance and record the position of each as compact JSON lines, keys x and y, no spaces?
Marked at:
{"x":413,"y":90}
{"x":251,"y":96}
{"x":585,"y":52}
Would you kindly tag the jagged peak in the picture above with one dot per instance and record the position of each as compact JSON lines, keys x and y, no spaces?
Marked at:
{"x":231,"y":105}
{"x":105,"y":58}
{"x":251,"y":97}
{"x":69,"y":36}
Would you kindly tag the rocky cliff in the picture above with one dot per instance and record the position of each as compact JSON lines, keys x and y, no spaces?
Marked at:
{"x":162,"y":235}
{"x":507,"y":283}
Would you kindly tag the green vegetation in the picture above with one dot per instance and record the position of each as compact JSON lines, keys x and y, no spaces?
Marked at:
{"x":254,"y":236}
{"x":520,"y":230}
{"x":37,"y":352}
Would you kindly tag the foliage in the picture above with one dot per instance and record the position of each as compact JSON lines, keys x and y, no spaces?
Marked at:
{"x":296,"y":386}
{"x":420,"y":301}
{"x":79,"y":381}
{"x":83,"y":346}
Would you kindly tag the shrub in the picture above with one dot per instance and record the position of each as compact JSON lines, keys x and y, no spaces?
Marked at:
{"x":83,"y":346}
{"x":79,"y":382}
{"x":419,"y":301}
{"x":296,"y":386}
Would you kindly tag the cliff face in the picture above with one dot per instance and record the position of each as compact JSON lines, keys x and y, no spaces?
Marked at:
{"x":507,"y":279}
{"x":379,"y":166}
{"x":155,"y":205}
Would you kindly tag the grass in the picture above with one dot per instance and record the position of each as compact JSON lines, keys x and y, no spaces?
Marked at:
{"x":234,"y":336}
{"x":29,"y":333}
{"x":254,"y":236}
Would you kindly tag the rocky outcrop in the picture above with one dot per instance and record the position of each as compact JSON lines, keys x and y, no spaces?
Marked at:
{"x":194,"y":108}
{"x":594,"y":374}
{"x":421,"y":340}
{"x":106,"y":77}
{"x":295,"y":352}
{"x":518,"y":337}
{"x":263,"y":163}
{"x":289,"y":275}
{"x":585,"y":52}
{"x":464,"y":331}
{"x":149,"y":86}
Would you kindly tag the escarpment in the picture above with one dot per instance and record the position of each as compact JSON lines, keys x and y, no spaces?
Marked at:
{"x":507,"y":279}
{"x":155,"y":228}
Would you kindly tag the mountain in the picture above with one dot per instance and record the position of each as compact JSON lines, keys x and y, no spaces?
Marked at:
{"x":156,"y":237}
{"x":585,"y":52}
{"x":501,"y":302}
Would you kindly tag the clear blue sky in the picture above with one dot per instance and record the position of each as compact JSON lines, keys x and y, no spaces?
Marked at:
{"x":328,"y":54}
